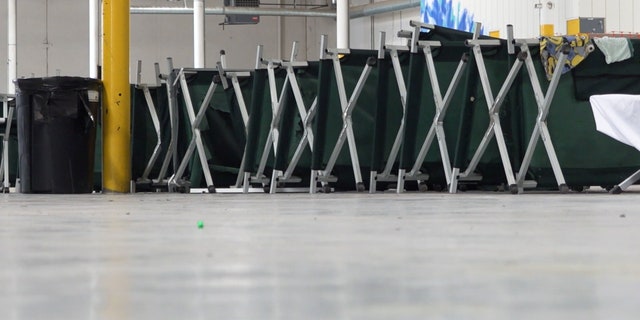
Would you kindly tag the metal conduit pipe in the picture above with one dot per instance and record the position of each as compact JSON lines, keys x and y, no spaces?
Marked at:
{"x":94,"y":37}
{"x":381,"y":7}
{"x":12,"y":45}
{"x":236,"y":10}
{"x":354,"y":12}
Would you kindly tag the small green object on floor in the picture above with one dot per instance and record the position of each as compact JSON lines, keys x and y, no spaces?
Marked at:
{"x":200,"y":224}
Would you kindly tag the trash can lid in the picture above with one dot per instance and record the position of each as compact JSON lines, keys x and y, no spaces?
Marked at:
{"x":50,"y":84}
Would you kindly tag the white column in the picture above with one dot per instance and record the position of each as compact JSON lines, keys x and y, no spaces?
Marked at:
{"x":94,"y":37}
{"x":548,"y":17}
{"x":12,"y":42}
{"x":342,"y":24}
{"x":198,"y":34}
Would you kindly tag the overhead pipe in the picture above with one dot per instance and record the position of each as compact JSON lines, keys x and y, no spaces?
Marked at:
{"x":94,"y":36}
{"x":12,"y":42}
{"x":198,"y":34}
{"x":381,"y":7}
{"x":354,"y":12}
{"x":237,"y":10}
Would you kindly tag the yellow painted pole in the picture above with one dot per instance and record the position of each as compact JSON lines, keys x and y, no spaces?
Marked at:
{"x":116,"y":115}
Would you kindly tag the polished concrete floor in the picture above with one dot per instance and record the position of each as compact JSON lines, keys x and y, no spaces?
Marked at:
{"x":327,"y":256}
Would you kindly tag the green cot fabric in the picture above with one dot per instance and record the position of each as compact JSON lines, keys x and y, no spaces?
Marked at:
{"x":259,"y":78}
{"x":143,"y":133}
{"x":222,"y":130}
{"x":285,"y":128}
{"x":388,"y":112}
{"x":320,"y":121}
{"x":291,"y":127}
{"x":413,"y":108}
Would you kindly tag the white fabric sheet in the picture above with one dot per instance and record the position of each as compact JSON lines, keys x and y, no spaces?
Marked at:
{"x":618,"y":116}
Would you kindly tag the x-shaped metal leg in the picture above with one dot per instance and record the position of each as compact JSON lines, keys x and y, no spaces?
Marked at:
{"x":346,"y":133}
{"x":495,"y":128}
{"x":540,"y":130}
{"x":196,"y":138}
{"x":441,"y":104}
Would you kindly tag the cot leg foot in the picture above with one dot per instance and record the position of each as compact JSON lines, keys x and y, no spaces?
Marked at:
{"x":616,"y":190}
{"x":563,"y":188}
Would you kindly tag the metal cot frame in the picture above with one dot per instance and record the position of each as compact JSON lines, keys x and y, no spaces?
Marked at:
{"x":176,"y":183}
{"x":280,"y":177}
{"x":441,"y":105}
{"x":154,"y":119}
{"x":516,"y":183}
{"x":347,"y":105}
{"x":6,"y":120}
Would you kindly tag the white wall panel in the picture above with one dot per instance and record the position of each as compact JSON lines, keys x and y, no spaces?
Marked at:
{"x":360,"y":33}
{"x":612,"y":13}
{"x":510,"y":14}
{"x":481,"y":13}
{"x":386,"y":23}
{"x":502,"y":15}
{"x":391,"y":23}
{"x":586,"y":8}
{"x":497,"y":14}
{"x":598,"y":8}
{"x":3,"y":47}
{"x":66,"y":42}
{"x":560,"y":18}
{"x":360,"y":29}
{"x":32,"y":35}
{"x":626,"y":15}
{"x":294,"y":30}
{"x":636,"y":17}
{"x":315,"y":28}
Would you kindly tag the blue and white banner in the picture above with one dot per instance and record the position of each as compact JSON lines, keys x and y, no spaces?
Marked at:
{"x":447,"y":13}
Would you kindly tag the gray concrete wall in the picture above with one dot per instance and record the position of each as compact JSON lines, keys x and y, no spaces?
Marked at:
{"x":53,"y":37}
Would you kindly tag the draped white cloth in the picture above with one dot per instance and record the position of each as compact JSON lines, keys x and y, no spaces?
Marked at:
{"x":618,"y":116}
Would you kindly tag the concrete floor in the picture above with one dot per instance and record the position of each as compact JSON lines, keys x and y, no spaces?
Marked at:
{"x":338,"y":256}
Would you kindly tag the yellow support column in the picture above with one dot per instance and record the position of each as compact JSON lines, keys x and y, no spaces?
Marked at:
{"x":116,"y":115}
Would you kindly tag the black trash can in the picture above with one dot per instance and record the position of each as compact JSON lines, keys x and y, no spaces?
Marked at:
{"x":57,"y":120}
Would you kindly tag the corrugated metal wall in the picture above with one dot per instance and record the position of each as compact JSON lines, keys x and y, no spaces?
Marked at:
{"x":54,"y":37}
{"x":497,"y":14}
{"x":621,"y":16}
